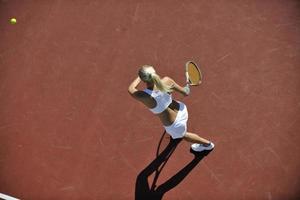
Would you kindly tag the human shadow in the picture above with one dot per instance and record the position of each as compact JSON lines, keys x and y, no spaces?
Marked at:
{"x":145,"y":191}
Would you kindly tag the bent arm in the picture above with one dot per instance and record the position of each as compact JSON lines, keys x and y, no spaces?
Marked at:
{"x":134,"y":92}
{"x":132,"y":87}
{"x":182,"y":90}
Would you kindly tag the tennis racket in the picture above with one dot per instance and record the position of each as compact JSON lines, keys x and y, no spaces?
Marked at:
{"x":193,"y":73}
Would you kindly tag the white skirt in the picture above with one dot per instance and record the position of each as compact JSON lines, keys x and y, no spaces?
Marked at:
{"x":179,"y":126}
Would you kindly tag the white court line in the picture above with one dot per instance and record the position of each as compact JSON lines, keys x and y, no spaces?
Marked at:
{"x":6,"y":197}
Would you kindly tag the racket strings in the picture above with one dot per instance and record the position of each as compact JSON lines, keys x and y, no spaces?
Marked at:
{"x":194,"y":74}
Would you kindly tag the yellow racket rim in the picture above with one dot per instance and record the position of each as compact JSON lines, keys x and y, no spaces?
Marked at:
{"x":193,"y":73}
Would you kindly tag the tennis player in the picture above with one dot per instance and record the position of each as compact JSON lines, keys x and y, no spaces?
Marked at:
{"x":173,"y":114}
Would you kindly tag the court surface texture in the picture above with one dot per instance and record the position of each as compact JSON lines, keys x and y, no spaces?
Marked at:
{"x":70,"y":130}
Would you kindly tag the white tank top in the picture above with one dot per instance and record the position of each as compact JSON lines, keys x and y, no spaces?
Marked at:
{"x":163,"y":100}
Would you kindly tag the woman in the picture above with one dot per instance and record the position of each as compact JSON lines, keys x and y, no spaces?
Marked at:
{"x":173,"y":114}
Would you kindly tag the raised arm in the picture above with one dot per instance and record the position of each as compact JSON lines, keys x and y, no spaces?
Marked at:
{"x":134,"y":92}
{"x":182,"y":90}
{"x":132,"y":87}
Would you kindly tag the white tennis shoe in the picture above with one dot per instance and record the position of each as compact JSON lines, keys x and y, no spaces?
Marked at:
{"x":200,"y":147}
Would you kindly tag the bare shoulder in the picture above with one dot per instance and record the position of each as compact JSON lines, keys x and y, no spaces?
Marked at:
{"x":167,"y":80}
{"x":174,"y":86}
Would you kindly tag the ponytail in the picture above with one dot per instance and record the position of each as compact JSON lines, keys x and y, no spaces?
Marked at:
{"x":159,"y":84}
{"x":148,"y":74}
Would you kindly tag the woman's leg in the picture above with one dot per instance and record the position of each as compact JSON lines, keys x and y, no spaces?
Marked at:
{"x":194,"y":138}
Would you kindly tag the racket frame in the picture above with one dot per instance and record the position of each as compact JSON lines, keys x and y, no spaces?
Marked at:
{"x":187,"y":74}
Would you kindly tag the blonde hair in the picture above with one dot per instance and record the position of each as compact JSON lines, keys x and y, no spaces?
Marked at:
{"x":148,"y":74}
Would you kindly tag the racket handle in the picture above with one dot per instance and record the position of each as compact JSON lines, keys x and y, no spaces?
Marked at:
{"x":187,"y":77}
{"x":187,"y":89}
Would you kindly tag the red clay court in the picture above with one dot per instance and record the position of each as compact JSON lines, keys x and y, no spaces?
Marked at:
{"x":69,"y":130}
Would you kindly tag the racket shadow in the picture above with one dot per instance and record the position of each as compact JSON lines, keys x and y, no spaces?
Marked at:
{"x":145,"y":191}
